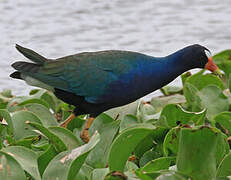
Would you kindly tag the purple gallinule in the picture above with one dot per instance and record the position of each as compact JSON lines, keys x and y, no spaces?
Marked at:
{"x":96,"y":81}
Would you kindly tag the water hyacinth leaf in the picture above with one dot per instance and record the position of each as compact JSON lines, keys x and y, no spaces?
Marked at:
{"x":222,"y":60}
{"x":56,"y":169}
{"x":5,"y":97}
{"x":148,"y":156}
{"x":128,"y":121}
{"x":99,"y":122}
{"x":197,"y":152}
{"x":130,"y":169}
{"x":36,"y":101}
{"x":213,"y":99}
{"x":76,"y":123}
{"x":13,"y":103}
{"x":172,"y":176}
{"x":66,"y":165}
{"x":153,"y":141}
{"x":10,"y":168}
{"x":26,"y":158}
{"x":146,"y":112}
{"x":43,"y":113}
{"x":200,"y":80}
{"x":146,"y":144}
{"x":85,"y":171}
{"x":191,"y":95}
{"x":99,"y":174}
{"x":120,"y":112}
{"x":159,"y":102}
{"x":21,"y":129}
{"x":66,"y":136}
{"x":224,"y":121}
{"x":210,"y":98}
{"x":42,"y":144}
{"x":53,"y":138}
{"x":5,"y":115}
{"x":7,"y":93}
{"x":222,"y":148}
{"x":185,"y":76}
{"x":26,"y":142}
{"x":156,"y":165}
{"x":125,"y":143}
{"x":224,"y":169}
{"x":171,"y":142}
{"x":170,"y":90}
{"x":98,"y":157}
{"x":173,"y":115}
{"x":45,"y":158}
{"x":48,"y":97}
{"x":116,"y":175}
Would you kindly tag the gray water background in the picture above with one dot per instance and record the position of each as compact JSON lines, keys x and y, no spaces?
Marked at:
{"x":156,"y":27}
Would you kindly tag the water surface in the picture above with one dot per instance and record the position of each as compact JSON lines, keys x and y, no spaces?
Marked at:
{"x":155,"y":27}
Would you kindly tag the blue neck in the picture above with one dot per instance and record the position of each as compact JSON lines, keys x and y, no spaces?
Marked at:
{"x":166,"y":69}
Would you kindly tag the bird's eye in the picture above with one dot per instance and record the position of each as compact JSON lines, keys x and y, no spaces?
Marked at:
{"x":208,"y":53}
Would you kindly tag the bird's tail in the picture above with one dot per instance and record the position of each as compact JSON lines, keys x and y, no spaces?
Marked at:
{"x":30,"y":54}
{"x":26,"y":67}
{"x":33,"y":73}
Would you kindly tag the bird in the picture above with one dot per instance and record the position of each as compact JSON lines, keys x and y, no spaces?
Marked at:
{"x":97,"y":81}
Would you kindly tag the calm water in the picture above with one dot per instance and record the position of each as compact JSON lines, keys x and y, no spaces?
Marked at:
{"x":156,"y":27}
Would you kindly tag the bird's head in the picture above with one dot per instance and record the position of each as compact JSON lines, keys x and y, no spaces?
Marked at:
{"x":198,"y":56}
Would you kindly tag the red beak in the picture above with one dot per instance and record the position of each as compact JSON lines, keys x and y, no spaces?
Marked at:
{"x":210,"y":65}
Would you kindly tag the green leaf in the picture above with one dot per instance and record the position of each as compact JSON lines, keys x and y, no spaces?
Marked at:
{"x":224,"y":167}
{"x":147,"y":156}
{"x":222,"y":60}
{"x":48,"y":97}
{"x":120,"y":112}
{"x":213,"y":99}
{"x":98,"y":157}
{"x":4,"y":114}
{"x":53,"y":138}
{"x":128,"y":121}
{"x":10,"y":168}
{"x":146,"y":112}
{"x":66,"y":165}
{"x":200,"y":80}
{"x":222,"y":148}
{"x":153,"y":167}
{"x":159,"y":102}
{"x":66,"y":136}
{"x":45,"y":158}
{"x":153,"y":141}
{"x":26,"y":158}
{"x":125,"y":143}
{"x":99,"y":174}
{"x":191,"y":95}
{"x":173,"y":115}
{"x":35,"y":101}
{"x":171,"y":142}
{"x":224,"y":120}
{"x":172,"y":176}
{"x":13,"y":103}
{"x":99,"y":123}
{"x":170,"y":90}
{"x":197,"y":152}
{"x":7,"y":93}
{"x":21,"y":129}
{"x":158,"y":164}
{"x":43,"y":113}
{"x":185,"y":76}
